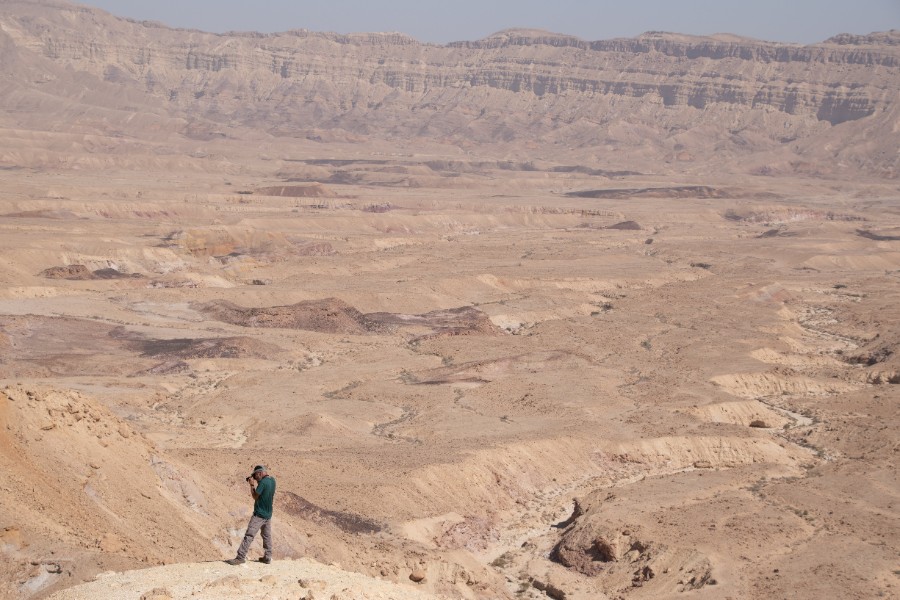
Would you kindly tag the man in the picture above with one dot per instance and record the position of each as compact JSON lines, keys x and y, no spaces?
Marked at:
{"x":262,"y":488}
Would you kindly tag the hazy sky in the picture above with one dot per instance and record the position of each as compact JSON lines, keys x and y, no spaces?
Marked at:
{"x":804,"y":21}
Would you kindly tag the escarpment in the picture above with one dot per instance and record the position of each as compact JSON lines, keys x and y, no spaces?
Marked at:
{"x":743,"y":95}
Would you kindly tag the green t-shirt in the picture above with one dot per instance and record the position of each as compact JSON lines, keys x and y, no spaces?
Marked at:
{"x":265,"y":489}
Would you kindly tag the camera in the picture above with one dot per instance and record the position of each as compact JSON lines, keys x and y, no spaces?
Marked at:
{"x":249,"y":477}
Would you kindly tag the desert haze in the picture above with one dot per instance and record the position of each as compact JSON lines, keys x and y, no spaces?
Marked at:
{"x":524,"y":317}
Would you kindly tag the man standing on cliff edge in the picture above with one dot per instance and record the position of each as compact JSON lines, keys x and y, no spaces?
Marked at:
{"x":262,"y":488}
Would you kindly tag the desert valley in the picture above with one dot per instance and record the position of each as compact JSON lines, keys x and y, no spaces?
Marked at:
{"x":524,"y":317}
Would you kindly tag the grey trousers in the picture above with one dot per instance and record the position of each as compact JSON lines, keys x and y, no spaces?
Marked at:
{"x":255,"y":524}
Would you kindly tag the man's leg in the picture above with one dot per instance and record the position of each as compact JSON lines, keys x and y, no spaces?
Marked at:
{"x":267,"y":538}
{"x":252,"y":527}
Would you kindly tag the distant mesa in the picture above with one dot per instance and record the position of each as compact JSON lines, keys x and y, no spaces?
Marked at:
{"x":526,"y":32}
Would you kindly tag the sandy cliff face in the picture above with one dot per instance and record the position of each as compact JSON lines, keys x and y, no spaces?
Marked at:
{"x":677,"y":98}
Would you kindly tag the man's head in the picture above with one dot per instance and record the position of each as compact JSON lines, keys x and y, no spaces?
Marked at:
{"x":259,"y":471}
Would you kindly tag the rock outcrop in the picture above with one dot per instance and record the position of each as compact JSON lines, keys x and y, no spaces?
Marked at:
{"x":216,"y":580}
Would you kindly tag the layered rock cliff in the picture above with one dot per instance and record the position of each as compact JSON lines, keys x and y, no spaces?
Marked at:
{"x":668,"y":95}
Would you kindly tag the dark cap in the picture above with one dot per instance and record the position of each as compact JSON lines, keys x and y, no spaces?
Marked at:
{"x":258,"y":468}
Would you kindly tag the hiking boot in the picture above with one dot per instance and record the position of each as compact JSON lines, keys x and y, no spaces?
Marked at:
{"x":265,"y":559}
{"x":236,"y":561}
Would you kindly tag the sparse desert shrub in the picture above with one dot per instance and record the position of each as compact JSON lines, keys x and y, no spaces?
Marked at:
{"x":502,"y":561}
{"x":378,"y":208}
{"x":603,"y":306}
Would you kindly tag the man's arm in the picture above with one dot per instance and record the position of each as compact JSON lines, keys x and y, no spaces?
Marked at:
{"x":253,"y":484}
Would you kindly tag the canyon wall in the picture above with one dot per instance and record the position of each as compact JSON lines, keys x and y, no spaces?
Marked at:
{"x":663,"y":95}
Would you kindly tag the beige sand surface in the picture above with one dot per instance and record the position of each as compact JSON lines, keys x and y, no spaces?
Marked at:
{"x":438,"y":401}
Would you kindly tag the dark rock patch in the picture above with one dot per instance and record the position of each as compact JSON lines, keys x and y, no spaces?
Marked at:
{"x":464,"y":320}
{"x":684,"y":191}
{"x":70,"y":272}
{"x":626,"y":226}
{"x":330,"y":315}
{"x":347,"y":522}
{"x":379,"y":208}
{"x":549,"y":589}
{"x":315,"y":190}
{"x":871,"y":235}
{"x":81,"y":273}
{"x":315,"y":249}
{"x":169,"y":367}
{"x":194,"y":348}
{"x":770,"y":233}
{"x":115,"y":274}
{"x":871,"y":357}
{"x":44,"y":214}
